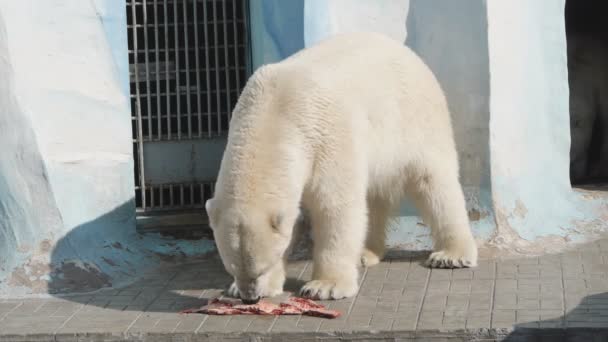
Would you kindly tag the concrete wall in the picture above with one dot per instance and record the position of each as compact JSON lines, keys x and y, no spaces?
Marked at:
{"x":67,"y":214}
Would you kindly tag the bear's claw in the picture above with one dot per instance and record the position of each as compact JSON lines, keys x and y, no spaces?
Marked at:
{"x":233,"y":291}
{"x":443,"y":259}
{"x":327,"y":289}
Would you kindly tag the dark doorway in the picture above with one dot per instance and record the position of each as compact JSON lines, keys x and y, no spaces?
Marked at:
{"x":587,"y":37}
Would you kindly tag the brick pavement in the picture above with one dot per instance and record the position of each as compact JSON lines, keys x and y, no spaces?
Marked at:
{"x":556,"y":296}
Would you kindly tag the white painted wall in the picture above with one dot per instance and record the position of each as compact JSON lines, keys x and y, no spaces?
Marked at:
{"x":67,"y":213}
{"x":68,"y":85}
{"x":530,"y":140}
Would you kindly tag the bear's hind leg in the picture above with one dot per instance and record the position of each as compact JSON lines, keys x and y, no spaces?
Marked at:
{"x":375,"y":244}
{"x":440,"y":200}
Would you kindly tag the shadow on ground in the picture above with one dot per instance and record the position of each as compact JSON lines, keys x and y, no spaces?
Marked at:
{"x":588,"y":321}
{"x":175,"y":288}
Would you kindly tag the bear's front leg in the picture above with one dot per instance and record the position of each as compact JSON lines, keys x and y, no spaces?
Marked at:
{"x":269,"y":284}
{"x":338,"y":236}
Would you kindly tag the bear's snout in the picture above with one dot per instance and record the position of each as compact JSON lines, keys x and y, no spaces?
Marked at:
{"x":248,"y":292}
{"x":250,"y":301}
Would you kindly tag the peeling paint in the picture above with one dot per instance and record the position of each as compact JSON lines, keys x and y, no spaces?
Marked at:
{"x":520,"y":209}
{"x":109,"y":262}
{"x":476,"y":215}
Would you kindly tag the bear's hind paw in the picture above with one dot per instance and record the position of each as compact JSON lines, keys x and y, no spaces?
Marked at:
{"x":445,"y":259}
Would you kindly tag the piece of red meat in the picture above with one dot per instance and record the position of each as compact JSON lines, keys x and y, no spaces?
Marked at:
{"x":310,"y":308}
{"x":293,"y":306}
{"x":217,"y":307}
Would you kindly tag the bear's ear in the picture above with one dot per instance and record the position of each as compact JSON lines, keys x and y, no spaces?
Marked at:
{"x":276,"y":220}
{"x":210,"y":208}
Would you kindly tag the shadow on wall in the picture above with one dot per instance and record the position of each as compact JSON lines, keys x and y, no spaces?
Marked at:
{"x":452,"y":38}
{"x":109,"y":252}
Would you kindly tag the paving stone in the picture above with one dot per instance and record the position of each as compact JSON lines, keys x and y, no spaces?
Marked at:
{"x":214,"y":324}
{"x":505,"y":301}
{"x":506,"y":285}
{"x":189,"y":323}
{"x":460,"y":286}
{"x":479,"y":302}
{"x":503,"y":318}
{"x":482,"y":286}
{"x":484,"y":270}
{"x":430,"y":320}
{"x":434,"y":302}
{"x":477,"y":319}
{"x":439,"y":286}
{"x":285,"y":324}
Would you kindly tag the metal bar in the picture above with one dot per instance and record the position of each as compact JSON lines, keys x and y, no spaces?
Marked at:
{"x":192,"y":194}
{"x":167,"y":84}
{"x":177,"y":83}
{"x":181,"y":195}
{"x":226,"y":60}
{"x":190,"y":49}
{"x":147,"y":64}
{"x":217,"y":63}
{"x":157,"y":53}
{"x":140,"y":143}
{"x":246,"y":36}
{"x":173,"y":93}
{"x":199,"y":108}
{"x":186,"y":49}
{"x":202,"y":191}
{"x":170,"y":25}
{"x":207,"y":74}
{"x":236,"y":48}
{"x":161,"y":203}
{"x":151,"y":197}
{"x":171,"y":203}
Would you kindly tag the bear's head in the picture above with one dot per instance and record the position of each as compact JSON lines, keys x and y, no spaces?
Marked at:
{"x":251,"y":239}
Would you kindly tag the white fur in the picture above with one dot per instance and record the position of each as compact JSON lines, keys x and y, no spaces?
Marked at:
{"x":344,"y":129}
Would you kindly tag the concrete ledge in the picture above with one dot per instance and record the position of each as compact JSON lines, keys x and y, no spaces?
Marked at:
{"x":565,"y":334}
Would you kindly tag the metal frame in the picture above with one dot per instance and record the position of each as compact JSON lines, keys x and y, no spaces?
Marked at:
{"x":189,"y":60}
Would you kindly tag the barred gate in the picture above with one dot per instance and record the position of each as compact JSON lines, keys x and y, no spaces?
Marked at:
{"x":189,"y":60}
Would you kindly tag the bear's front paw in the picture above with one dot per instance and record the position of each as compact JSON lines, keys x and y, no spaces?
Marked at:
{"x":447,"y":259}
{"x":232,"y":291}
{"x":329,"y":289}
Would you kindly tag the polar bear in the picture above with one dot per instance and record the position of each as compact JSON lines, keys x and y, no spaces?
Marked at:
{"x":344,"y":129}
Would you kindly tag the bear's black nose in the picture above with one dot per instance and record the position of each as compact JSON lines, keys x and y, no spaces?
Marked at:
{"x":250,"y":301}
